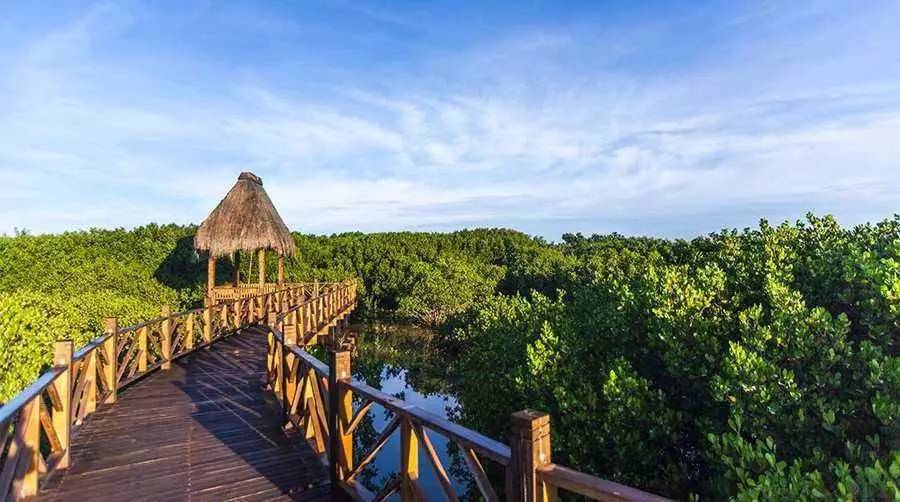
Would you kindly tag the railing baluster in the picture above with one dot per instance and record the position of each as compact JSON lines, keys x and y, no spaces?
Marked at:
{"x":110,"y":350}
{"x":270,"y":361}
{"x":189,"y":333}
{"x":92,"y":374}
{"x":31,"y":438}
{"x":62,"y":417}
{"x":143,"y":356}
{"x":165,"y":338}
{"x":289,"y":380}
{"x":207,"y":326}
{"x":409,"y":461}
{"x":223,"y":316}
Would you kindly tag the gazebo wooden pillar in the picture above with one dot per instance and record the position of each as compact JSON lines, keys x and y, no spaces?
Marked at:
{"x":262,"y":267}
{"x":210,"y":274}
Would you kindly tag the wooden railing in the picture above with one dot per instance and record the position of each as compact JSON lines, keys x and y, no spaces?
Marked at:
{"x":317,"y":399}
{"x":224,"y":293}
{"x":36,"y":425}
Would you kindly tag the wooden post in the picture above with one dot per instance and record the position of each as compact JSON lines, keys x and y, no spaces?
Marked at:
{"x":189,"y":332}
{"x":165,"y":336}
{"x":31,"y":438}
{"x":280,"y":271}
{"x":262,"y":268}
{"x":294,"y":319}
{"x":529,"y":449}
{"x":62,"y":417}
{"x":279,"y":370}
{"x":409,"y":462}
{"x":290,"y":378}
{"x":237,"y":268}
{"x":270,"y":361}
{"x":91,"y":373}
{"x":210,"y":274}
{"x":207,"y":326}
{"x":340,"y":414}
{"x":110,"y":350}
{"x":224,"y":319}
{"x":143,"y":354}
{"x":304,"y":320}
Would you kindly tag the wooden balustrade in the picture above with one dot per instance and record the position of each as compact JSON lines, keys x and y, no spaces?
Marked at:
{"x":317,"y":400}
{"x":225,"y":293}
{"x":35,"y":426}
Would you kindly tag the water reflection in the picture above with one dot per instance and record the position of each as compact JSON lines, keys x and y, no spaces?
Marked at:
{"x":404,"y":361}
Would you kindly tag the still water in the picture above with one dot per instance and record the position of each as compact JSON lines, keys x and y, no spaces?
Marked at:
{"x":402,"y":361}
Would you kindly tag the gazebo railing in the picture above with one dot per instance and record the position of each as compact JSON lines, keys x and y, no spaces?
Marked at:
{"x":224,"y":293}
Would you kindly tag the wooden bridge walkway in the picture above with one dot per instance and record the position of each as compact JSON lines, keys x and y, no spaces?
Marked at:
{"x":204,"y":430}
{"x":225,"y":403}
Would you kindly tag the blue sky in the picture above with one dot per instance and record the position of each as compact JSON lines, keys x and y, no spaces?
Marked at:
{"x":663,"y":118}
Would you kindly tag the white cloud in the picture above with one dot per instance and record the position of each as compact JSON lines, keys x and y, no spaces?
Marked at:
{"x":521,"y":129}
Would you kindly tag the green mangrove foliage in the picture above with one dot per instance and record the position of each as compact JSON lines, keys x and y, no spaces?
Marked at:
{"x":61,"y":286}
{"x":56,"y":287}
{"x":757,"y":365}
{"x":760,"y":364}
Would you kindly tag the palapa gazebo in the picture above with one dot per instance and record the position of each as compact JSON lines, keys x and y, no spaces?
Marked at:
{"x":245,"y":220}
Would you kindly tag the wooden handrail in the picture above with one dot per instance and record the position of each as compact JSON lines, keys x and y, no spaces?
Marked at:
{"x":93,"y":344}
{"x":78,"y":382}
{"x":10,"y":408}
{"x":589,"y":486}
{"x":492,"y":449}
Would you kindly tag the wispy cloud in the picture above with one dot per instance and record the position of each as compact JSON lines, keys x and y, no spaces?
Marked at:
{"x":649,"y":121}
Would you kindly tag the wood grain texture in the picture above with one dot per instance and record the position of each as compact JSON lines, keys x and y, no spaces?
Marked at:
{"x":204,"y":430}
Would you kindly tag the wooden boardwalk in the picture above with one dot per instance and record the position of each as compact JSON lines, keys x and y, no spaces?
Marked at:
{"x":204,"y":430}
{"x":186,"y":416}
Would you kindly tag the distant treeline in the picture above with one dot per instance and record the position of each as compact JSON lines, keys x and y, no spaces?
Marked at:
{"x":756,"y":364}
{"x":61,"y":286}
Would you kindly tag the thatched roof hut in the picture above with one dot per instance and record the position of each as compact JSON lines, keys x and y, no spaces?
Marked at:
{"x":245,"y":220}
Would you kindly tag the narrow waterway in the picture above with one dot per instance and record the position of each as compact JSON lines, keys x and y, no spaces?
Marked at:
{"x":403,"y":361}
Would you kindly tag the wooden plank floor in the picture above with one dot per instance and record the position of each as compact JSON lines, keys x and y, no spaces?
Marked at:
{"x":203,"y":430}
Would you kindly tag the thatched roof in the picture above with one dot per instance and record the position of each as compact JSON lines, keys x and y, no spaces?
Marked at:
{"x":245,"y":220}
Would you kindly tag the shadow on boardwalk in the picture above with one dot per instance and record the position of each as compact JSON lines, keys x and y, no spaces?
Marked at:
{"x":203,"y":430}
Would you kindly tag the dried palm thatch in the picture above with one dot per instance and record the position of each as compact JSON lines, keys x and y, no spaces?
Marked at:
{"x":245,"y":220}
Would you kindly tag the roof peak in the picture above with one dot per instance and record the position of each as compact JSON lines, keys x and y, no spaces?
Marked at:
{"x":247,"y":175}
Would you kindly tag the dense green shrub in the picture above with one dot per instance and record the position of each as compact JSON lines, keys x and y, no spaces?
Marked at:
{"x":30,"y":322}
{"x":757,"y":364}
